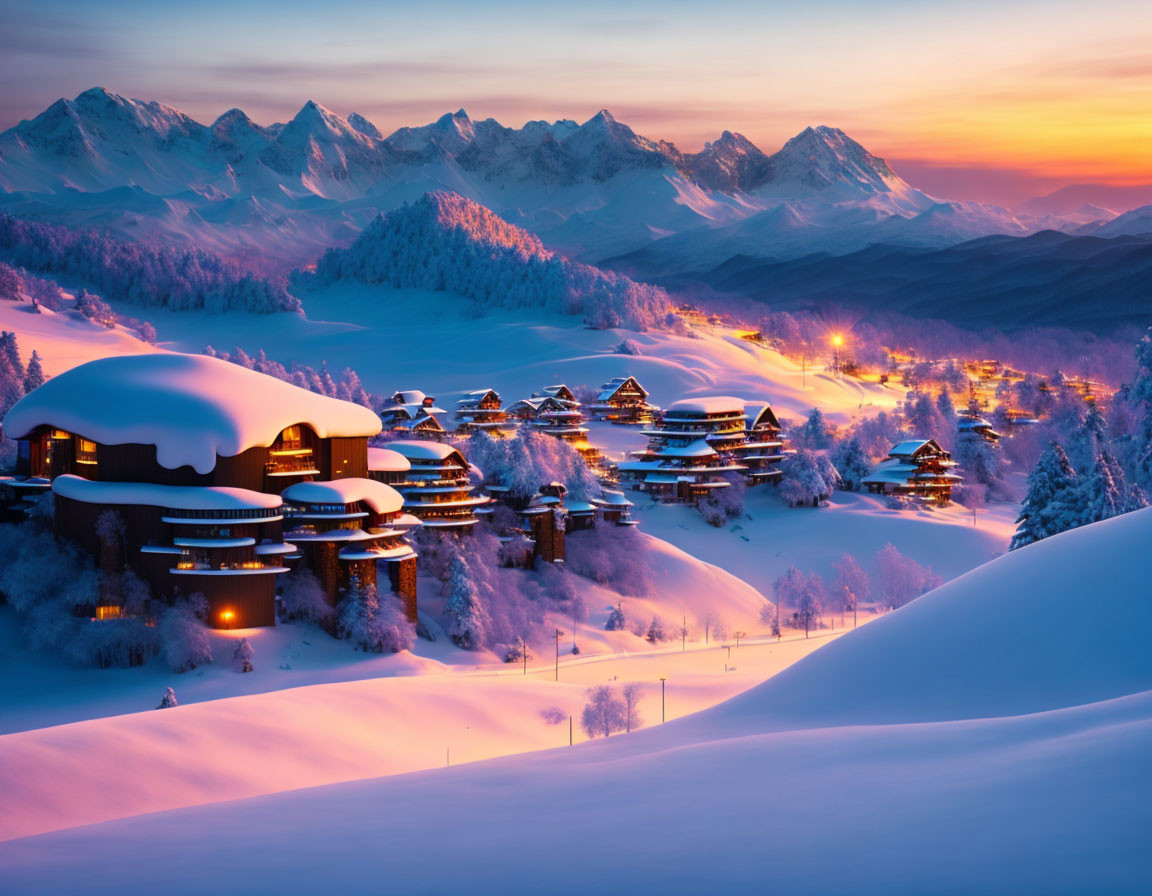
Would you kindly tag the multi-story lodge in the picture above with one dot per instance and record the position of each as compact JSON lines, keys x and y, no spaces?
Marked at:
{"x":698,"y":440}
{"x":436,"y":486}
{"x":762,"y":448}
{"x":482,"y":411}
{"x":193,"y":454}
{"x":919,"y":468}
{"x":345,"y":528}
{"x":412,"y":413}
{"x":622,"y":400}
{"x":690,"y":449}
{"x":554,"y":411}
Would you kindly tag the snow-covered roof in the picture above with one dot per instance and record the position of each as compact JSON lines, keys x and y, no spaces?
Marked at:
{"x":891,"y":472}
{"x":176,"y":497}
{"x":759,"y":414}
{"x":191,"y":407}
{"x":717,"y":404}
{"x":408,"y":396}
{"x":911,"y":446}
{"x":417,"y":449}
{"x":382,"y":498}
{"x":612,"y":498}
{"x":385,"y":460}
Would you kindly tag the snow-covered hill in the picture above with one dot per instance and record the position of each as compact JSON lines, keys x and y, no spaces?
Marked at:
{"x":280,"y":194}
{"x":990,"y":737}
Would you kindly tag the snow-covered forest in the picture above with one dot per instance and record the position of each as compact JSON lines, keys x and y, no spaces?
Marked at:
{"x":446,"y":242}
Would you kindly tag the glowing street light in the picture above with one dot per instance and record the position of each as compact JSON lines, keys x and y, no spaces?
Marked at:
{"x":837,"y":343}
{"x":228,"y":616}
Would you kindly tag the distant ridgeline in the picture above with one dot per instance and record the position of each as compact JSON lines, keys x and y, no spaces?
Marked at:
{"x":446,"y":242}
{"x":153,"y":276}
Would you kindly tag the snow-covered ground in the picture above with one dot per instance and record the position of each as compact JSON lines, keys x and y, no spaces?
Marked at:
{"x":772,"y":536}
{"x":991,"y":737}
{"x":410,"y":339}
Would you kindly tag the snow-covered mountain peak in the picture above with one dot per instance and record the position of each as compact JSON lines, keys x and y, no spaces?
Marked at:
{"x":822,"y":159}
{"x":364,"y":126}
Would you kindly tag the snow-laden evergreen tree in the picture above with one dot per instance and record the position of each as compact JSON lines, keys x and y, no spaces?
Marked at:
{"x":11,"y":372}
{"x":980,"y":460}
{"x":168,"y":700}
{"x":1104,"y":491}
{"x":34,"y":375}
{"x":656,"y":633}
{"x":851,"y":463}
{"x":184,"y":635}
{"x":807,"y":478}
{"x":1141,"y":393}
{"x":9,"y":283}
{"x":529,"y":460}
{"x":1050,"y":505}
{"x":302,"y":597}
{"x":616,"y":619}
{"x":926,"y":421}
{"x":947,"y":409}
{"x":814,"y":432}
{"x":373,"y":623}
{"x":242,"y":657}
{"x":467,"y":618}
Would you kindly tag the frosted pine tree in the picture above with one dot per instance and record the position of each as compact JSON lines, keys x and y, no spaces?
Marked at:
{"x":1049,"y":505}
{"x":242,"y":657}
{"x":616,"y":619}
{"x":34,"y":375}
{"x":168,"y":700}
{"x":851,"y":463}
{"x":466,"y":615}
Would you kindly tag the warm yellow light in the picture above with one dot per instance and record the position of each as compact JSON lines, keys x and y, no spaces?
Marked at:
{"x":837,"y":340}
{"x":227,"y":615}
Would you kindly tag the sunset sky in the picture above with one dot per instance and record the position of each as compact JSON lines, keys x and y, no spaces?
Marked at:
{"x":987,"y":100}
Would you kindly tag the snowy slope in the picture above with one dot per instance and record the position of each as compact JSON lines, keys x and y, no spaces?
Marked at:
{"x":983,"y":739}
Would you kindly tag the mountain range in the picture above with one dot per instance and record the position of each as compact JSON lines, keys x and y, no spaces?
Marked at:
{"x":276,"y":196}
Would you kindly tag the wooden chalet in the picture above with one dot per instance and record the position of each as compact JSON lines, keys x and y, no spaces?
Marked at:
{"x":345,"y":529}
{"x":412,"y":414}
{"x":689,"y":450}
{"x":554,"y":411}
{"x":541,"y":523}
{"x":919,"y":468}
{"x":437,"y":489}
{"x":193,"y":453}
{"x":482,"y":411}
{"x":762,"y":449}
{"x":622,"y":400}
{"x":969,"y":424}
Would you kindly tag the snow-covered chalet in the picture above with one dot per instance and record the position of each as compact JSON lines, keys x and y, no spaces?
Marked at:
{"x":223,"y":478}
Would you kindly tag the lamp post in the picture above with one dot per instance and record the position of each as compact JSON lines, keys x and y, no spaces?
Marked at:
{"x":662,"y":680}
{"x":524,"y":653}
{"x":558,"y":634}
{"x":837,"y":341}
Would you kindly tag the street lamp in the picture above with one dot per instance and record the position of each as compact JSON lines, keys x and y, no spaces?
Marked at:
{"x":837,"y":341}
{"x":662,"y":680}
{"x":558,"y":634}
